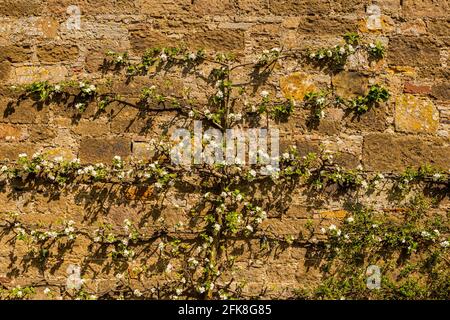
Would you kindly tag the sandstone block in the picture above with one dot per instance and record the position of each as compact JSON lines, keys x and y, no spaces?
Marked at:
{"x":97,"y":150}
{"x":416,"y":115}
{"x":57,"y":53}
{"x":296,"y":85}
{"x":388,"y":152}
{"x":350,"y":84}
{"x":413,"y":51}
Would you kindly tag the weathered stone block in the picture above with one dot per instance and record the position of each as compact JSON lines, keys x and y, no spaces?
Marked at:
{"x":329,"y":26}
{"x":165,"y":8}
{"x":300,"y":7}
{"x":417,"y":115}
{"x":20,"y":8}
{"x":143,"y":38}
{"x":11,"y":151}
{"x":26,"y":111}
{"x":296,"y":85}
{"x":416,"y":88}
{"x":96,"y":150}
{"x":11,"y":133}
{"x":15,"y":54}
{"x":389,"y":152}
{"x":5,"y":68}
{"x":439,"y":27}
{"x":29,"y":74}
{"x":143,"y":150}
{"x":65,"y":153}
{"x":350,"y":84}
{"x":128,"y":119}
{"x":219,"y":40}
{"x":91,"y":128}
{"x":88,"y":7}
{"x":425,"y":8}
{"x":413,"y":51}
{"x":57,"y":53}
{"x":441,"y":91}
{"x":41,"y":133}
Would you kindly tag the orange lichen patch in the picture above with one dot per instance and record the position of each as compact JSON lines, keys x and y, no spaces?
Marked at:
{"x":296,"y":85}
{"x":416,"y":115}
{"x":407,"y":71}
{"x":339,"y":214}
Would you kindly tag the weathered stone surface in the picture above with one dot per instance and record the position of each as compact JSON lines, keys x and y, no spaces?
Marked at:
{"x":89,"y":7}
{"x":36,"y":45}
{"x":413,"y":114}
{"x":98,"y":150}
{"x":439,"y":27}
{"x":15,"y":54}
{"x":296,"y":85}
{"x":220,"y":40}
{"x":20,"y":7}
{"x":57,"y":53}
{"x":201,"y":7}
{"x":143,"y":150}
{"x":441,"y":91}
{"x":140,"y":193}
{"x":128,"y":119}
{"x":25,"y":112}
{"x":65,"y":153}
{"x":41,"y":133}
{"x":349,"y":84}
{"x":29,"y":74}
{"x":11,"y":133}
{"x":387,"y":152}
{"x":300,"y":7}
{"x":332,"y":122}
{"x":333,"y":26}
{"x":5,"y":68}
{"x":413,"y":51}
{"x":143,"y":38}
{"x":339,"y":214}
{"x":425,"y":8}
{"x":91,"y":128}
{"x":416,"y":88}
{"x":11,"y":151}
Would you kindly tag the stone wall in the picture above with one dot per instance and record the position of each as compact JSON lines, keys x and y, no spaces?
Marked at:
{"x":37,"y":44}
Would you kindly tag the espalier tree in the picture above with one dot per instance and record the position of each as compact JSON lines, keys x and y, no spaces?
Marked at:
{"x":196,"y":258}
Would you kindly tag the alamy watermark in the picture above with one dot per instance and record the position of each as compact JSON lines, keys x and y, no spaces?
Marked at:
{"x":74,"y":21}
{"x":253,"y":146}
{"x":374,"y":277}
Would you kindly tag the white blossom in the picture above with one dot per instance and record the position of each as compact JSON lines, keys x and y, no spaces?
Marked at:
{"x":163,"y":57}
{"x":264,"y":93}
{"x":219,"y":94}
